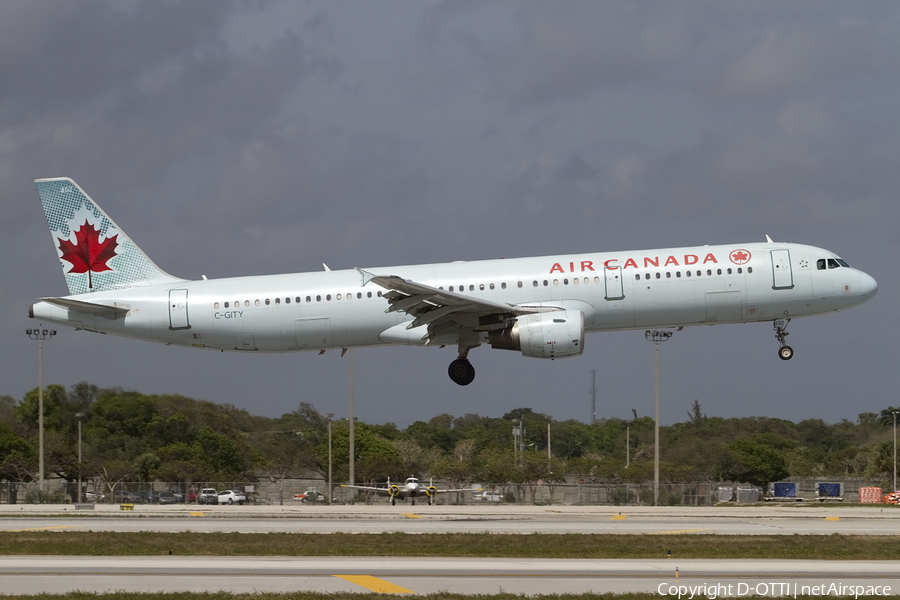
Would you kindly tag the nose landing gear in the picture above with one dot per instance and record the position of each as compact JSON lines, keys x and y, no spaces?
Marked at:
{"x":785,"y":352}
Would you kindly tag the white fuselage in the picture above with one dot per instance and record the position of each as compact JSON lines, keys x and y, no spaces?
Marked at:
{"x":676,"y":287}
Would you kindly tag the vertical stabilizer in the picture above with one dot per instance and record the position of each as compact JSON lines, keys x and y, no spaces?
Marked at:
{"x":95,"y":254}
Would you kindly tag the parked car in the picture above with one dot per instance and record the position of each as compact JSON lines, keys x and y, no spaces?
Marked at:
{"x":126,"y":497}
{"x":167,"y":498}
{"x":231,"y":497}
{"x":90,"y":496}
{"x":488,"y":497}
{"x":310,"y":495}
{"x":208,"y":496}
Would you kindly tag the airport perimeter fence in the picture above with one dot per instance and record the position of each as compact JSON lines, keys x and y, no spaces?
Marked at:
{"x":286,"y":492}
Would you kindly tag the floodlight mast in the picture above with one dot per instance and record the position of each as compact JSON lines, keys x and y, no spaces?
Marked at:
{"x":656,"y":337}
{"x":39,"y":335}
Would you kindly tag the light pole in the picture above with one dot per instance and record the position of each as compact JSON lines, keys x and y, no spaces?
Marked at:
{"x":894,"y":489}
{"x":656,"y":337}
{"x":79,"y":416}
{"x":39,"y":335}
{"x":330,"y":492}
{"x":627,"y":444}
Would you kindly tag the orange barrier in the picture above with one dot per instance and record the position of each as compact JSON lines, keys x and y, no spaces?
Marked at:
{"x":870,"y":495}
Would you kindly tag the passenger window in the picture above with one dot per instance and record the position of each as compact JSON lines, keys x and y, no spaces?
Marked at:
{"x":535,"y":283}
{"x":596,"y":279}
{"x":451,"y":288}
{"x":546,"y":283}
{"x":709,"y":271}
{"x":658,"y":275}
{"x":492,"y":286}
{"x":749,"y":269}
{"x":328,"y":297}
{"x":556,"y":282}
{"x":668,"y":275}
{"x":718,"y":271}
{"x":740,"y":270}
{"x":215,"y":305}
{"x":297,"y":299}
{"x":576,"y":281}
{"x":729,"y":270}
{"x":287,"y":300}
{"x":678,"y":274}
{"x":309,"y":298}
{"x":359,"y":295}
{"x":267,"y":302}
{"x":519,"y":284}
{"x":646,"y":275}
{"x":379,"y":294}
{"x":247,"y":303}
{"x":502,"y":285}
{"x":637,"y":277}
{"x":318,"y":298}
{"x":687,"y":273}
{"x":566,"y":281}
{"x":277,"y":300}
{"x":471,"y":288}
{"x":481,"y":287}
{"x":256,"y":302}
{"x":338,"y":297}
{"x":368,"y":294}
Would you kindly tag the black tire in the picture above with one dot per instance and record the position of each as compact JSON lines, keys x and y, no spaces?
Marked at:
{"x":461,"y":371}
{"x":785,"y":353}
{"x":231,"y":501}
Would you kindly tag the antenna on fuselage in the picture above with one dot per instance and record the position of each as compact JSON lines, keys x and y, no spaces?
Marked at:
{"x":768,"y":239}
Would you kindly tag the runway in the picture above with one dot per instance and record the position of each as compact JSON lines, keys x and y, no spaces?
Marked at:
{"x":775,"y":578}
{"x":509,"y":519}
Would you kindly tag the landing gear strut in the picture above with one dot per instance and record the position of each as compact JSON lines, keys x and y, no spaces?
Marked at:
{"x":785,"y":352}
{"x":461,"y":371}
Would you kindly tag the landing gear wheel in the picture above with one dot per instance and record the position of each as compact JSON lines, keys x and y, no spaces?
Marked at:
{"x":461,"y":371}
{"x":785,"y":353}
{"x":430,"y":500}
{"x":393,"y":501}
{"x":413,"y":500}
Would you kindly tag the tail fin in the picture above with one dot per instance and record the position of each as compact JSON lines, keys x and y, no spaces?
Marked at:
{"x":95,"y":254}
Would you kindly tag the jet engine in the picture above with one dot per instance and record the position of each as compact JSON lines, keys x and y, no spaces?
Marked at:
{"x":556,"y":334}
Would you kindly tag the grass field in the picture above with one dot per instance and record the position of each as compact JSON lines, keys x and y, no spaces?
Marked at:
{"x":87,"y":543}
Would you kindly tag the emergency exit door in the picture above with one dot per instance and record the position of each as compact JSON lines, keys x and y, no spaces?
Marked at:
{"x":614,"y":288}
{"x":178,"y":309}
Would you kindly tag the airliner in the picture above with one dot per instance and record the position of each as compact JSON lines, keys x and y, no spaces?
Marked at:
{"x":410,"y":489}
{"x":541,"y":307}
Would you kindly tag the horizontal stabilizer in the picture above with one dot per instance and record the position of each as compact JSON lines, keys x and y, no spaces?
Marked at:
{"x":118,"y":311}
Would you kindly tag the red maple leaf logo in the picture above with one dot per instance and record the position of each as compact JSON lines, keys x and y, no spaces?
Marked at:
{"x":88,"y":254}
{"x":739,"y":257}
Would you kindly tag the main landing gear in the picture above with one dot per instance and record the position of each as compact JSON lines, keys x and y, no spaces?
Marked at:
{"x":461,"y":371}
{"x":785,"y":352}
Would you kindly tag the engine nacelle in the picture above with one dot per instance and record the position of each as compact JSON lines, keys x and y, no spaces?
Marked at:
{"x":556,"y":334}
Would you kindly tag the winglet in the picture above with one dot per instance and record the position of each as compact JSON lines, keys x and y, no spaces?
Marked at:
{"x":366,"y":276}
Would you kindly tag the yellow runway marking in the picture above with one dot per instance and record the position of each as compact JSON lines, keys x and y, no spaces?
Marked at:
{"x":619,"y":517}
{"x":677,"y":531}
{"x":379,"y":586}
{"x":832,"y":518}
{"x":411,"y":515}
{"x":46,"y":528}
{"x":198,"y":514}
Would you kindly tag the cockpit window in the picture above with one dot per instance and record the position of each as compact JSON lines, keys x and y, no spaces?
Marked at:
{"x":833,"y":264}
{"x":842,"y":262}
{"x":820,"y":264}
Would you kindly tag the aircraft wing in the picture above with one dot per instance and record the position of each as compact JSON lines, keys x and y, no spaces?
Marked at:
{"x":381,"y":490}
{"x":460,"y":490}
{"x":443,"y":311}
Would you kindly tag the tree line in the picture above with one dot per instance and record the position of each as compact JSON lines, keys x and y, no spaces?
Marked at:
{"x":129,"y":436}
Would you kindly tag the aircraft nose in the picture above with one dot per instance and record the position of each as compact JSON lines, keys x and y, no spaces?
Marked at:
{"x":867,"y":285}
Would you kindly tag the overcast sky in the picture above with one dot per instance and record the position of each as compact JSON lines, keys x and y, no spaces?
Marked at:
{"x":253,"y":137}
